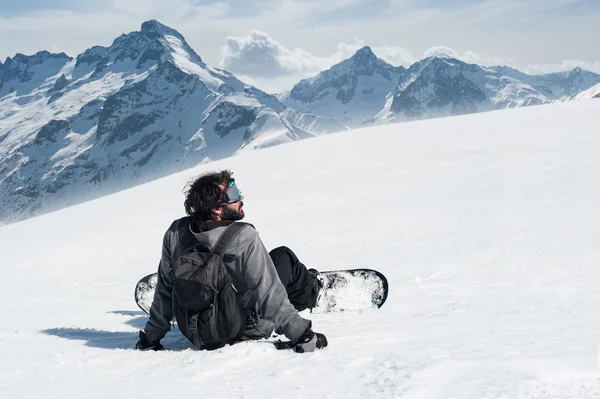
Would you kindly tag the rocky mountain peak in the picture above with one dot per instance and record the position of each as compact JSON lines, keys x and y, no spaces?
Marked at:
{"x":437,"y":82}
{"x":364,"y":55}
{"x":579,"y":72}
{"x":153,"y":42}
{"x":154,"y":29}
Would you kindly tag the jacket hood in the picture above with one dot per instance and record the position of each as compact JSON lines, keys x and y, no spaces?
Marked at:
{"x":201,"y":227}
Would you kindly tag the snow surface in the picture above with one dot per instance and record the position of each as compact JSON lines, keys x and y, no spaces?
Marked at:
{"x":486,"y":225}
{"x":592,"y":92}
{"x":183,"y":60}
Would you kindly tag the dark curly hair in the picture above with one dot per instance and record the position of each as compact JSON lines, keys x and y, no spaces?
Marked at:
{"x":203,"y":195}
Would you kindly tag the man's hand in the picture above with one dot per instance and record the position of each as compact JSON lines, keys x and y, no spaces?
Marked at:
{"x":144,"y":344}
{"x":310,"y":341}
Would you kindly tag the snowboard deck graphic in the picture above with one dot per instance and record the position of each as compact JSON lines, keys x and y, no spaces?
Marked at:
{"x":343,"y":290}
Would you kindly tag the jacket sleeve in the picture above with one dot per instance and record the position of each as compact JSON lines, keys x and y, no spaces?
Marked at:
{"x":161,"y":311}
{"x":263,"y":281}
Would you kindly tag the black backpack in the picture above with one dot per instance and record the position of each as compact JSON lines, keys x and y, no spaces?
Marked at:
{"x":206,"y":304}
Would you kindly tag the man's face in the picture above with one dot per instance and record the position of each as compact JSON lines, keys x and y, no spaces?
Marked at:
{"x":231,"y":211}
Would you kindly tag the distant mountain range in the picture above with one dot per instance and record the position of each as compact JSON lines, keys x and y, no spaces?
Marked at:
{"x":72,"y":129}
{"x":365,"y":89}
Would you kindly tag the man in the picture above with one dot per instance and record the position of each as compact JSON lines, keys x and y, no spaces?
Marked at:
{"x":273,"y":286}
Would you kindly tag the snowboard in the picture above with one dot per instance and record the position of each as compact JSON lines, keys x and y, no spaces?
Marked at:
{"x":343,"y":290}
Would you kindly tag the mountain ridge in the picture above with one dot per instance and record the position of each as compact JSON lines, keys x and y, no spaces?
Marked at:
{"x":432,"y":87}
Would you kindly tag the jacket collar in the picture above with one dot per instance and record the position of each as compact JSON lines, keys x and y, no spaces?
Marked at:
{"x":200,"y":227}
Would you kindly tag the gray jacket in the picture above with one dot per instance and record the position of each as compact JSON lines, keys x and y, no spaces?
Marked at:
{"x":249,"y":264}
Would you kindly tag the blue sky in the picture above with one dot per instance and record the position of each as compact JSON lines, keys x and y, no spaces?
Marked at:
{"x":351,"y":9}
{"x":9,"y":8}
{"x":297,"y":38}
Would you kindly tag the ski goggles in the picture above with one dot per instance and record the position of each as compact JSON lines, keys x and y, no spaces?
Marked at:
{"x":232,"y":193}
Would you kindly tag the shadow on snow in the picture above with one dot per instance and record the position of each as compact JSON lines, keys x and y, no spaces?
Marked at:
{"x":174,"y":340}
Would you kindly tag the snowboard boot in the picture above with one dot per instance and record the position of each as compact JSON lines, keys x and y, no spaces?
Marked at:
{"x":319,"y":283}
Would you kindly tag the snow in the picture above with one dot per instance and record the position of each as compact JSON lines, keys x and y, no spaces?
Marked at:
{"x":242,"y":99}
{"x":312,"y":123}
{"x":30,"y":117}
{"x":268,"y":130}
{"x":593,"y":92}
{"x":41,"y":75}
{"x":183,"y":61}
{"x":486,"y":225}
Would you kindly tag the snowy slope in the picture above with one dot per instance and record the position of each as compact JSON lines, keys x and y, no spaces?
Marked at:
{"x":593,"y":92}
{"x":486,"y":226}
{"x":147,"y":106}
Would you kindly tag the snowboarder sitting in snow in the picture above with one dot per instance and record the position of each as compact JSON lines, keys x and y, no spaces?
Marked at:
{"x":270,"y":287}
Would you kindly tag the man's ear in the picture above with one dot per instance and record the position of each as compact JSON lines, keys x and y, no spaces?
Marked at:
{"x":217,"y":211}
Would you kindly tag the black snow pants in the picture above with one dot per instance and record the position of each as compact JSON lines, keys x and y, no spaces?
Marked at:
{"x":301,"y":286}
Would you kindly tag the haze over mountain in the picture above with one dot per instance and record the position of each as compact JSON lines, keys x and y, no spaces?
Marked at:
{"x":75,"y":128}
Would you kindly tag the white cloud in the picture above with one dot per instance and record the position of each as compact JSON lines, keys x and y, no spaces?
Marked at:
{"x":312,"y":35}
{"x":264,"y":62}
{"x":397,"y":56}
{"x":259,"y":58}
{"x":468,"y":56}
{"x":448,"y":52}
{"x":441,"y":51}
{"x":257,"y":54}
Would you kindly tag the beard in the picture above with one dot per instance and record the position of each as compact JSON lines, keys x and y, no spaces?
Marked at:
{"x":233,"y":213}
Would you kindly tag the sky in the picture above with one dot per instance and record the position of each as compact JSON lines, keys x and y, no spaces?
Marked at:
{"x":275,"y":43}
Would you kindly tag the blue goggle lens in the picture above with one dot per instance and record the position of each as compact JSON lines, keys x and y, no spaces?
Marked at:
{"x":232,"y":194}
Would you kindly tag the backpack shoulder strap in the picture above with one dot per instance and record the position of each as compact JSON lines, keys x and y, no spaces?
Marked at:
{"x":229,"y":233}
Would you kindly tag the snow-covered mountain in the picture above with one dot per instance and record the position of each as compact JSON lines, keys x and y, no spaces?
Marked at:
{"x":364,"y":89}
{"x":566,"y":85}
{"x":439,"y":86}
{"x":73,"y":129}
{"x":353,"y":91}
{"x":592,"y":92}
